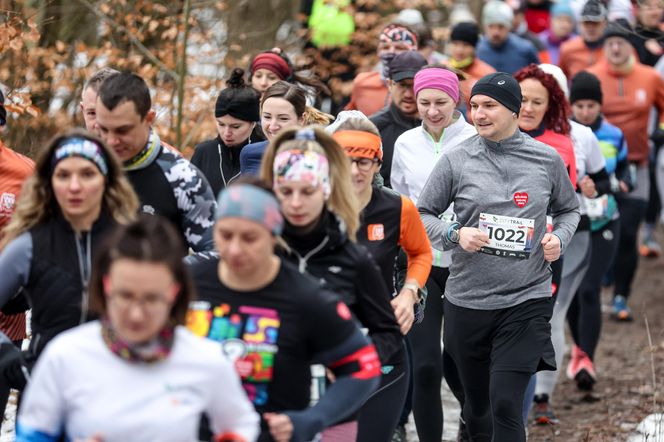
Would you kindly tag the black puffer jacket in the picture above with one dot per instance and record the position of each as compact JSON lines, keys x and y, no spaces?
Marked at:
{"x":349,"y":270}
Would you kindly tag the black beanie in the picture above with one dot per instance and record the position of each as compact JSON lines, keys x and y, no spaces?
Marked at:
{"x":238,"y":100}
{"x":585,"y":86}
{"x":467,"y":32}
{"x":618,"y":29}
{"x":3,"y":111}
{"x":502,"y":87}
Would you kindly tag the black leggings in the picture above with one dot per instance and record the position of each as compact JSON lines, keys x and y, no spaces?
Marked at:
{"x":585,"y":312}
{"x":654,"y":203}
{"x":429,"y":365}
{"x":380,"y":413}
{"x":632,"y":212}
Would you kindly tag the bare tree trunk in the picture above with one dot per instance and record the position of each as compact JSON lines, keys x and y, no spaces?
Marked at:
{"x":252,"y":26}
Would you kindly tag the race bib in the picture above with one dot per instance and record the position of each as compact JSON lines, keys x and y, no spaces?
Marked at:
{"x":597,"y":208}
{"x":508,"y":237}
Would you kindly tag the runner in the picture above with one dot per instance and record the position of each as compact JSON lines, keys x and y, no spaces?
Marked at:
{"x":283,"y":105}
{"x":370,"y":92}
{"x":400,"y":114}
{"x":415,"y":155}
{"x":14,"y":170}
{"x":463,"y":41}
{"x":236,"y":114}
{"x":389,"y":221}
{"x":585,"y":313}
{"x":312,"y":179}
{"x":584,"y":50}
{"x":274,"y":322}
{"x":544,"y":115}
{"x":500,"y":281}
{"x":88,"y":104}
{"x":77,"y":194}
{"x":136,"y":374}
{"x":166,"y":184}
{"x":274,"y":65}
{"x":630,"y":90}
{"x":501,"y":48}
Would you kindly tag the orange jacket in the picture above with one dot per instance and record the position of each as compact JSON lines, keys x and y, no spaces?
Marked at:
{"x":369,"y":94}
{"x":575,"y":56}
{"x":628,"y":99}
{"x":474,"y":72}
{"x":14,"y":169}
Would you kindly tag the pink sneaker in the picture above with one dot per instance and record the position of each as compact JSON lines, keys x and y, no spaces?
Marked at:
{"x":574,"y":359}
{"x":585,"y":376}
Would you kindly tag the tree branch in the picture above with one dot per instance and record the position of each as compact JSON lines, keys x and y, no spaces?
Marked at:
{"x":145,"y":51}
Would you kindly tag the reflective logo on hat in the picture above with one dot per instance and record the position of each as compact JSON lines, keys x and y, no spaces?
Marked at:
{"x":501,"y":82}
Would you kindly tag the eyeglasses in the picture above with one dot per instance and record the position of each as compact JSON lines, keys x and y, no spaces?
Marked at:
{"x":363,"y":164}
{"x":151,"y":303}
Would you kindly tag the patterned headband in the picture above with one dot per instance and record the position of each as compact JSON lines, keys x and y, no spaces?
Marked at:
{"x":80,"y":147}
{"x":307,"y":166}
{"x":252,"y":203}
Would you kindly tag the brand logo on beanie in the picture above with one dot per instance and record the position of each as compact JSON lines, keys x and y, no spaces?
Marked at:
{"x":521,"y":199}
{"x":501,"y":82}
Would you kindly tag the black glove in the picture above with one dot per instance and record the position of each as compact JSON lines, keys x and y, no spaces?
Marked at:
{"x":657,"y":137}
{"x":13,"y":366}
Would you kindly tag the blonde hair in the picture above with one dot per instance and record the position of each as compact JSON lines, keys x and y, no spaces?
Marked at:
{"x":342,"y":201}
{"x":359,"y":124}
{"x":37,"y":203}
{"x":313,"y":116}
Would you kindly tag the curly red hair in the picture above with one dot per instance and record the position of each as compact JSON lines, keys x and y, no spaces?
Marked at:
{"x":557,"y":115}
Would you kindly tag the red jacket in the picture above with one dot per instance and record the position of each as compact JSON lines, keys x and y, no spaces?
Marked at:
{"x":369,"y":94}
{"x":564,"y":147}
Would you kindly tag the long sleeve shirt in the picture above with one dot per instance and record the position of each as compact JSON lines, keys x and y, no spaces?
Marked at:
{"x":518,"y":177}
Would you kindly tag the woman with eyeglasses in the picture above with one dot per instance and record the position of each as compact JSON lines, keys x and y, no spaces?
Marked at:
{"x":137,"y":373}
{"x":389,"y":221}
{"x":273,"y":322}
{"x":77,"y":194}
{"x":416,"y":152}
{"x":311,"y":178}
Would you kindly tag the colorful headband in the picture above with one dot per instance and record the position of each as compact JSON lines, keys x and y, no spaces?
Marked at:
{"x":80,"y":147}
{"x":437,"y":78}
{"x":307,"y":166}
{"x":398,"y":33}
{"x":252,"y":203}
{"x":358,"y":143}
{"x":273,"y":63}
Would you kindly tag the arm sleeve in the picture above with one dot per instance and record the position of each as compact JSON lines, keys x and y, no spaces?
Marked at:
{"x":415,"y":242}
{"x":595,"y":162}
{"x":337,"y":343}
{"x":602,"y":181}
{"x":397,"y":175}
{"x":230,"y":411}
{"x":197,"y":205}
{"x":42,"y":413}
{"x":564,"y":204}
{"x":374,"y":309}
{"x":436,"y":197}
{"x":15,"y":262}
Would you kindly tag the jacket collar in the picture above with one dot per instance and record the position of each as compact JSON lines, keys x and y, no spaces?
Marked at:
{"x":510,"y":143}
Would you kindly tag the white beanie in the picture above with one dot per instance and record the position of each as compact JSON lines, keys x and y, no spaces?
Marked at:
{"x":558,"y":74}
{"x":497,"y":12}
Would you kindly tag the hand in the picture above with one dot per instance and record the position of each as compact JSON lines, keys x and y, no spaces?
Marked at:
{"x":280,"y":425}
{"x":472,"y":239}
{"x":587,"y":186}
{"x":623,"y":186}
{"x":403,"y":309}
{"x":96,"y":438}
{"x":551,"y":246}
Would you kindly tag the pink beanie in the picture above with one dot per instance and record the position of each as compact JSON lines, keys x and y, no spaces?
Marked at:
{"x":437,"y":78}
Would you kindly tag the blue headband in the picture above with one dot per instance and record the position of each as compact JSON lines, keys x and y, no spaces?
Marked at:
{"x":80,"y":147}
{"x":252,"y":203}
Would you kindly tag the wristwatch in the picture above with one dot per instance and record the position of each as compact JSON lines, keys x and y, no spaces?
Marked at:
{"x":453,"y":233}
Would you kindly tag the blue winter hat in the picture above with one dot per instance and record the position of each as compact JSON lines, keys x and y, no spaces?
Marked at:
{"x":251,"y":203}
{"x":562,"y":7}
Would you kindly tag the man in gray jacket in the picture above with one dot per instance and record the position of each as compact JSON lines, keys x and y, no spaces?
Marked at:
{"x":498,"y":296}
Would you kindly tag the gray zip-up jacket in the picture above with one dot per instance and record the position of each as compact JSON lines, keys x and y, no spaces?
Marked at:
{"x":481,"y":176}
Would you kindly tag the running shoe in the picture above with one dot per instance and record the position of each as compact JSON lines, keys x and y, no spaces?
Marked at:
{"x":542,"y":412}
{"x":649,"y":248}
{"x":585,"y":376}
{"x":574,"y":360}
{"x":621,"y":312}
{"x":399,"y":434}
